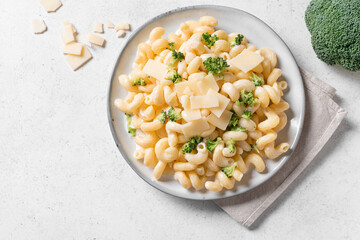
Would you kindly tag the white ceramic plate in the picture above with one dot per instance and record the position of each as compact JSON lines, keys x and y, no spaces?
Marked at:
{"x":230,"y":20}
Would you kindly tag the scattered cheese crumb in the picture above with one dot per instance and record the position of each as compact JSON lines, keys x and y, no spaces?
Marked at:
{"x":76,"y":62}
{"x":51,"y":5}
{"x":67,"y":34}
{"x":110,"y":25}
{"x":122,"y":26}
{"x":99,"y":28}
{"x":97,"y":40}
{"x":120,"y":33}
{"x":39,"y":26}
{"x":73,"y":48}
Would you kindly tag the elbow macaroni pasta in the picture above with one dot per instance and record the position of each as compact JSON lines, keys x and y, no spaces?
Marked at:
{"x":161,"y":139}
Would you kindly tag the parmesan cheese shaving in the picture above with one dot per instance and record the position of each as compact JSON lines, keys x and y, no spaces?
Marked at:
{"x":76,"y":62}
{"x":73,"y":48}
{"x":51,"y":5}
{"x":67,"y":34}
{"x":155,"y":69}
{"x":207,"y":101}
{"x":99,"y":28}
{"x":120,"y":33}
{"x":223,"y":102}
{"x":187,"y":88}
{"x":122,"y":26}
{"x":72,"y":26}
{"x":189,"y":114}
{"x":222,"y":122}
{"x":246,"y":60}
{"x":97,"y":40}
{"x":39,"y":26}
{"x":195,"y":127}
{"x":207,"y":83}
{"x":110,"y":25}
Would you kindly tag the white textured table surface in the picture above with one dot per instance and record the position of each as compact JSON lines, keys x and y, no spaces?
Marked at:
{"x":62,"y":177}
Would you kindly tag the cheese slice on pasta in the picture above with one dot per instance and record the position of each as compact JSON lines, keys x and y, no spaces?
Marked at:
{"x":207,"y":83}
{"x":222,"y":122}
{"x":155,"y":69}
{"x":246,"y":60}
{"x":223,"y":102}
{"x":195,"y":127}
{"x":207,"y":101}
{"x":183,"y":88}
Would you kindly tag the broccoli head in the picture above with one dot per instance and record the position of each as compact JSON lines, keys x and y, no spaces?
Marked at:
{"x":234,"y":121}
{"x":237,"y":40}
{"x":231,"y":145}
{"x":216,"y":65}
{"x":175,"y":77}
{"x":335,"y":31}
{"x":162,"y":116}
{"x":229,"y":171}
{"x":173,"y":114}
{"x":191,"y":145}
{"x":211,"y":145}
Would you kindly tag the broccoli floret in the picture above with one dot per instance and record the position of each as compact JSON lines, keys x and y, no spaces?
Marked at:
{"x":175,"y":77}
{"x":237,"y":40}
{"x":253,"y":147}
{"x":173,"y":115}
{"x":209,"y":39}
{"x":216,"y":65}
{"x":131,"y":130}
{"x":258,"y":81}
{"x":211,"y":145}
{"x":229,"y":171}
{"x":139,"y":81}
{"x":247,"y":114}
{"x":234,"y":121}
{"x":231,"y":145}
{"x":175,"y":58}
{"x":171,"y":46}
{"x":335,"y":31}
{"x":191,"y":145}
{"x":162,"y":116}
{"x":246,"y":98}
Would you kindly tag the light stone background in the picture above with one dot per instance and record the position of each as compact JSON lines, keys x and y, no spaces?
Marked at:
{"x":62,"y":177}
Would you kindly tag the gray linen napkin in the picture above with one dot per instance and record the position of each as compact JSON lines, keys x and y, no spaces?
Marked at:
{"x":322,"y":117}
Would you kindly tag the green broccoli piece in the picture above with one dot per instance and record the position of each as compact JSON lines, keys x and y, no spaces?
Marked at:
{"x":175,"y":77}
{"x":171,"y":46}
{"x":229,"y":171}
{"x":237,"y":40}
{"x":215,"y":65}
{"x":131,"y":130}
{"x":247,"y":114}
{"x":231,"y":145}
{"x":162,"y":116}
{"x":209,"y":39}
{"x":238,"y":128}
{"x":335,"y":31}
{"x":211,"y":145}
{"x":191,"y":145}
{"x":139,"y":81}
{"x":246,"y":99}
{"x":253,"y":147}
{"x":258,"y":81}
{"x":173,"y":115}
{"x":175,"y":58}
{"x":234,"y":121}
